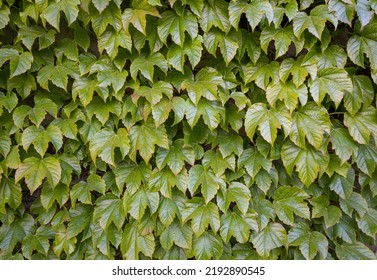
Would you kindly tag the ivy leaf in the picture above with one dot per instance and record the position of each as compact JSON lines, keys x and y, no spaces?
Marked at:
{"x":362,"y":94}
{"x":102,"y":109}
{"x":41,"y":137}
{"x":80,"y":220}
{"x":271,"y":237}
{"x":205,"y":84}
{"x":137,"y":15}
{"x":287,"y":92}
{"x":365,"y":43}
{"x":199,"y":176}
{"x":253,"y":161}
{"x":111,"y":40}
{"x":288,"y":201}
{"x":100,"y":4}
{"x":154,"y":94}
{"x":191,"y":48}
{"x":343,"y":11}
{"x":267,"y":120}
{"x":5,"y":144}
{"x":355,"y":251}
{"x":297,"y":69}
{"x":104,"y":143}
{"x":217,"y":163}
{"x":68,"y":7}
{"x":212,"y":113}
{"x":262,"y":74}
{"x":254,"y":12}
{"x":354,"y":202}
{"x":176,"y":23}
{"x":315,"y":22}
{"x":82,"y":190}
{"x":207,"y":246}
{"x":368,"y":222}
{"x":139,"y":201}
{"x":176,"y":234}
{"x":143,"y":138}
{"x":309,"y":163}
{"x":58,"y":75}
{"x":362,"y":125}
{"x":235,"y":192}
{"x":111,"y":15}
{"x":50,"y":194}
{"x":310,"y":122}
{"x":201,"y":215}
{"x":216,"y":38}
{"x":39,"y":241}
{"x":233,"y":224}
{"x":34,"y":170}
{"x":10,"y":193}
{"x":175,"y":157}
{"x":310,"y":242}
{"x":343,"y":143}
{"x":145,"y":64}
{"x":4,"y":16}
{"x":132,"y":175}
{"x":109,"y":208}
{"x":366,"y":159}
{"x":215,"y":13}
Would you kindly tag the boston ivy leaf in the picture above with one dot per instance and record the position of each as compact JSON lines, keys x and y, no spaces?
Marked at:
{"x":10,"y":193}
{"x":191,"y":48}
{"x":211,"y":111}
{"x":109,"y":208}
{"x":132,"y":176}
{"x":366,"y":158}
{"x":262,"y":74}
{"x":288,"y":93}
{"x":209,"y":182}
{"x":368,"y":222}
{"x":354,"y":202}
{"x":176,"y":23}
{"x":5,"y":145}
{"x":145,"y":64}
{"x":343,"y":143}
{"x":68,"y":7}
{"x":310,"y":122}
{"x":233,"y":224}
{"x":201,"y":215}
{"x":267,"y":120}
{"x":100,"y":4}
{"x":104,"y":143}
{"x":136,"y":15}
{"x":39,"y":241}
{"x":343,"y":11}
{"x":144,"y":138}
{"x":343,"y":185}
{"x":175,"y":157}
{"x":355,"y":251}
{"x":271,"y":237}
{"x":207,"y":246}
{"x":58,"y":75}
{"x":111,"y":40}
{"x":216,"y":38}
{"x":154,"y":93}
{"x":139,"y":201}
{"x":315,"y":22}
{"x":4,"y":16}
{"x":50,"y":194}
{"x":362,"y":125}
{"x":298,"y":69}
{"x":40,"y":138}
{"x":111,"y":15}
{"x":288,"y":201}
{"x":217,"y":163}
{"x":205,"y":84}
{"x":254,"y":12}
{"x":176,"y":234}
{"x":215,"y":13}
{"x":34,"y":170}
{"x":310,"y":242}
{"x":235,"y":192}
{"x":309,"y":163}
{"x":253,"y":161}
{"x":362,"y":94}
{"x":333,"y":81}
{"x":82,"y":190}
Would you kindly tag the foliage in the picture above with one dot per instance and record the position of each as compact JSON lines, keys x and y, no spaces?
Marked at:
{"x":242,"y":129}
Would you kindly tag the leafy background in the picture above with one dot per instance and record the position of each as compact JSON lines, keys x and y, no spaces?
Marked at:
{"x":199,"y":129}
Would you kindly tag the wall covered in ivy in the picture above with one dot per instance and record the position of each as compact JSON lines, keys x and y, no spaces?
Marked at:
{"x":201,"y":129}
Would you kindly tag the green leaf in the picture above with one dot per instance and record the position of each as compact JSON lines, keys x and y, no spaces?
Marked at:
{"x":139,"y":201}
{"x":207,"y":246}
{"x":209,"y":182}
{"x":215,"y":14}
{"x":201,"y":215}
{"x":332,"y":81}
{"x":100,"y":4}
{"x":362,"y":94}
{"x":34,"y":170}
{"x":254,"y":12}
{"x":144,"y":138}
{"x":175,"y":157}
{"x":112,"y":40}
{"x":58,"y":75}
{"x":212,"y":112}
{"x":39,"y":242}
{"x":20,"y":64}
{"x":82,"y":190}
{"x":289,"y":201}
{"x":310,"y":242}
{"x":267,"y":120}
{"x":176,"y":23}
{"x":40,"y":138}
{"x":288,"y":93}
{"x":131,"y":175}
{"x":262,"y":74}
{"x":343,"y":186}
{"x":103,"y":109}
{"x":315,"y":22}
{"x":355,"y":251}
{"x":233,"y":224}
{"x":253,"y":161}
{"x":191,"y":48}
{"x":366,"y":159}
{"x":271,"y":237}
{"x":137,"y":15}
{"x":297,"y":69}
{"x":342,"y":143}
{"x":362,"y":125}
{"x":205,"y":84}
{"x":10,"y":193}
{"x":154,"y":94}
{"x":15,"y":232}
{"x":368,"y":222}
{"x":4,"y":16}
{"x":68,"y":7}
{"x":50,"y":194}
{"x":109,"y":208}
{"x":354,"y":202}
{"x":235,"y":192}
{"x":310,"y":122}
{"x":216,"y":38}
{"x":111,"y":15}
{"x":178,"y":235}
{"x":104,"y":142}
{"x":5,"y":145}
{"x":309,"y":163}
{"x":343,"y":10}
{"x":145,"y":64}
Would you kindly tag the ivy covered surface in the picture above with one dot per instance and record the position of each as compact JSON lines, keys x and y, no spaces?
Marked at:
{"x":199,"y":129}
